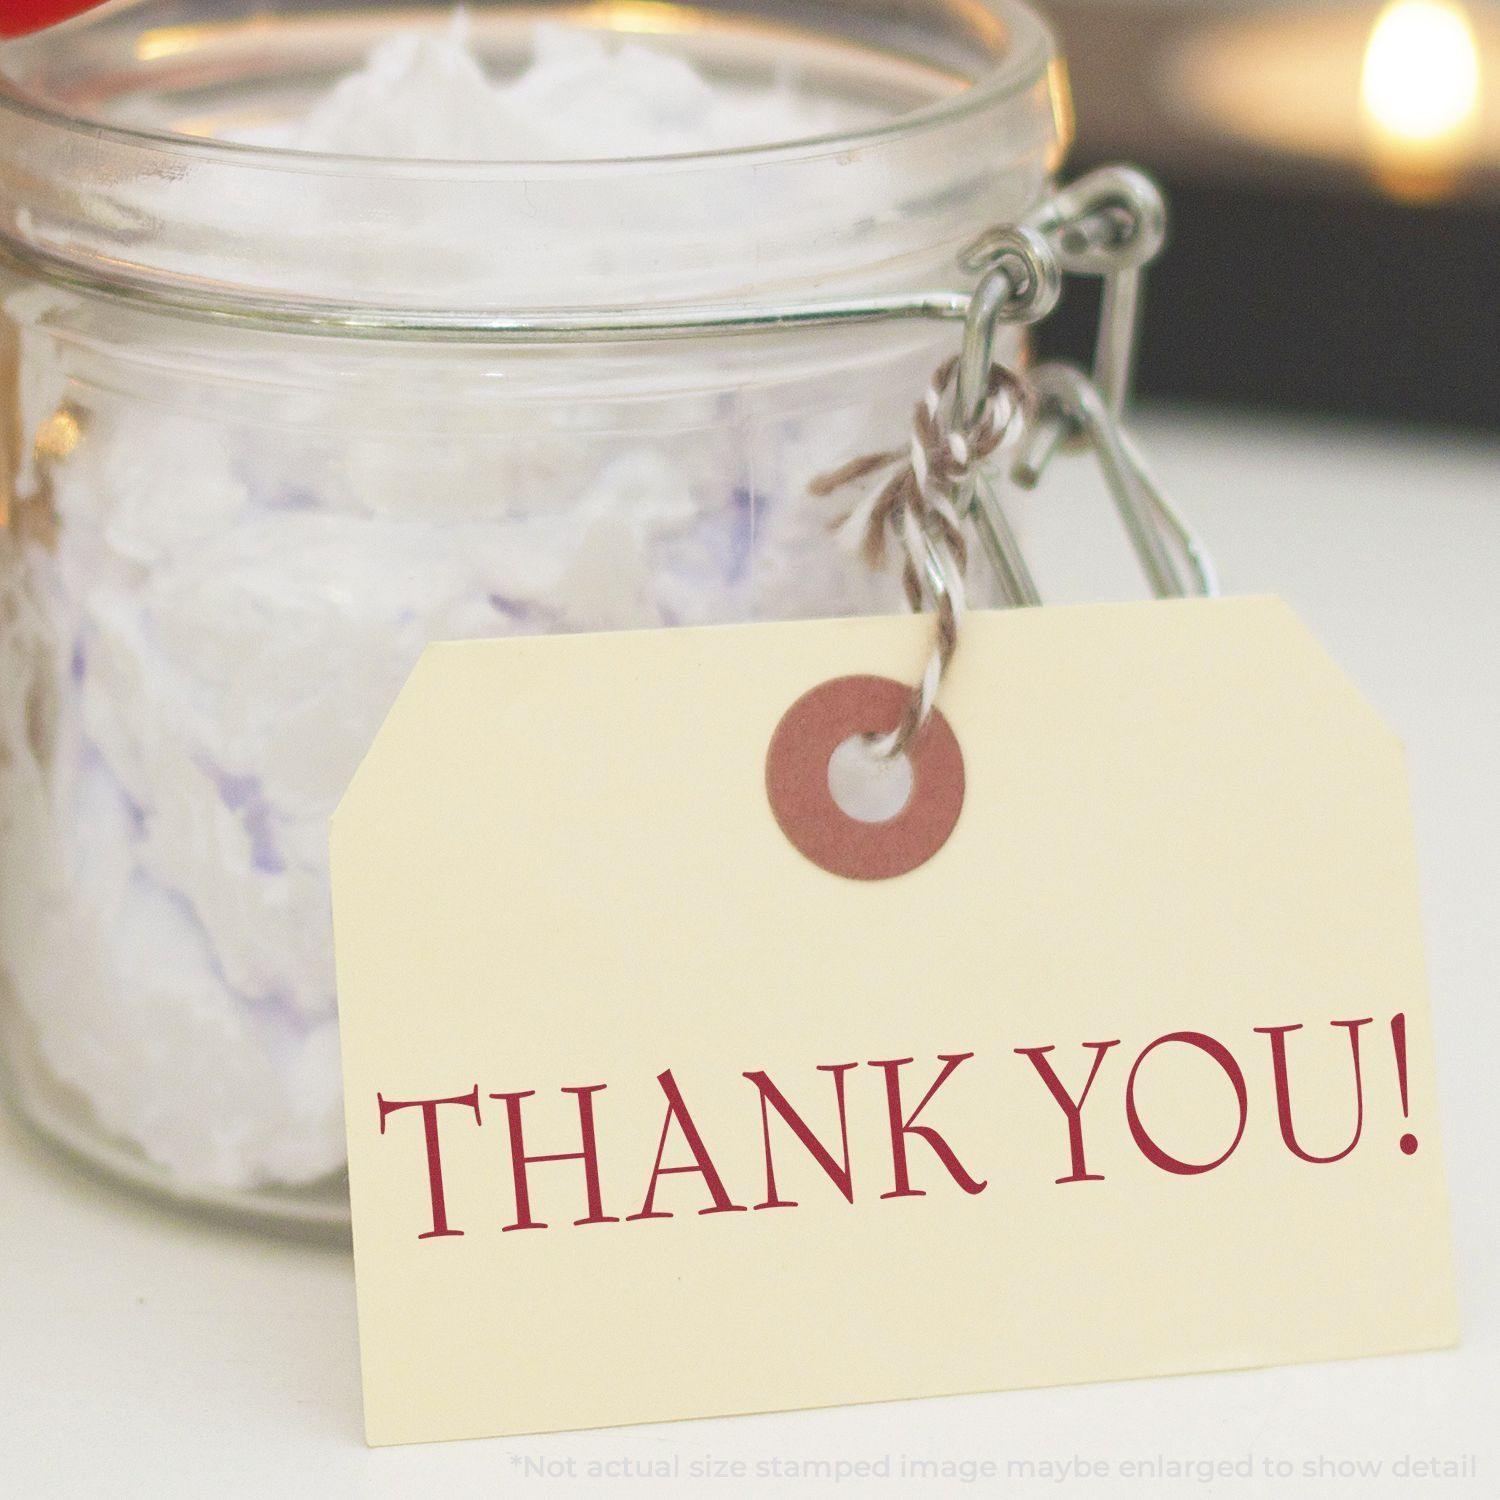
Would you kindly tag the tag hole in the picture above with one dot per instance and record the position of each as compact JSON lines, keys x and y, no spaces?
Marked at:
{"x":866,"y":787}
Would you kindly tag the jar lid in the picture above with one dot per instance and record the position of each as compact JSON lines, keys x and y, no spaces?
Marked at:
{"x":188,"y":153}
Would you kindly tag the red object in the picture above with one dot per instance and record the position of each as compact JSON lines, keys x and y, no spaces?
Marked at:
{"x":802,"y":801}
{"x":17,"y":17}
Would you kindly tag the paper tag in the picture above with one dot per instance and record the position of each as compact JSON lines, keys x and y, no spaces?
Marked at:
{"x":652,"y":1116}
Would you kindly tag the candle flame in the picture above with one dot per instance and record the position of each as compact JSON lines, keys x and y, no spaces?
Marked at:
{"x":1421,"y":74}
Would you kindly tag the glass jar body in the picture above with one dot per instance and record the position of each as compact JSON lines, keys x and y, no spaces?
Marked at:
{"x":226,"y":551}
{"x":267,"y":435}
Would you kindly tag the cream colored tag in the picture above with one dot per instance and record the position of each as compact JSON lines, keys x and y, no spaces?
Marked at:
{"x":562,"y":900}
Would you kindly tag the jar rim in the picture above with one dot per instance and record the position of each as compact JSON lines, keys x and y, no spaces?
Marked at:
{"x":442,"y":248}
{"x":1028,"y":53}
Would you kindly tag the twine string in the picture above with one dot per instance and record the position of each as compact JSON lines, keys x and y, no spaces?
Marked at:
{"x":918,"y":505}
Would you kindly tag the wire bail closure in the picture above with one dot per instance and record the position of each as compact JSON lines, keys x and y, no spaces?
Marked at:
{"x":1112,"y":224}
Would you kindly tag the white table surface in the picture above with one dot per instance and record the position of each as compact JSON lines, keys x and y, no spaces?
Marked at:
{"x":144,"y":1354}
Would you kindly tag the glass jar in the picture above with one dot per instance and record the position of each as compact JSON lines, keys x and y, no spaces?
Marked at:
{"x":274,"y":421}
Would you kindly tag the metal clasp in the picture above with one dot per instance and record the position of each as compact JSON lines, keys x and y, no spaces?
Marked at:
{"x":1021,"y":285}
{"x":1170,"y":555}
{"x":1112,"y":224}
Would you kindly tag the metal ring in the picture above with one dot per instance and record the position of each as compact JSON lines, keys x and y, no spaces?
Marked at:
{"x":1022,"y":285}
{"x":1091,"y":198}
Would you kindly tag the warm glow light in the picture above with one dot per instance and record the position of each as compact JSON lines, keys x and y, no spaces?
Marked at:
{"x":1421,"y":74}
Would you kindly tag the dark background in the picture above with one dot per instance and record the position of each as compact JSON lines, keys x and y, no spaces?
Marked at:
{"x":1286,"y":285}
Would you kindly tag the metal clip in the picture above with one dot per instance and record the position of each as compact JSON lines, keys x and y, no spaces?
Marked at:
{"x":1022,"y":285}
{"x":1170,"y":555}
{"x":1110,"y":223}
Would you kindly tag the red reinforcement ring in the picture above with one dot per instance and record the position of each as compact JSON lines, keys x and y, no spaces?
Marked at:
{"x":797,"y":781}
{"x":18,"y":17}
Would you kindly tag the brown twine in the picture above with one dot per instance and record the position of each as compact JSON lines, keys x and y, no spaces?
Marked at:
{"x":923,"y":489}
